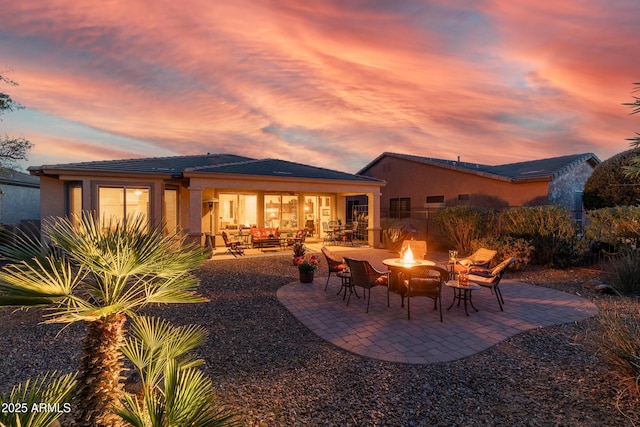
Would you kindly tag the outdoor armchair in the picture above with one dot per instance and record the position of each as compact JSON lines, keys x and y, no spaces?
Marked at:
{"x":479,"y":259}
{"x":298,"y":238}
{"x":491,"y":278}
{"x":363,"y":274}
{"x":335,"y":263}
{"x":426,"y":281}
{"x":234,"y":248}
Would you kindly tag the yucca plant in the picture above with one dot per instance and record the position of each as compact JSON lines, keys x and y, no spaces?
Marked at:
{"x":98,"y":272}
{"x":23,"y":406}
{"x":174,"y":392}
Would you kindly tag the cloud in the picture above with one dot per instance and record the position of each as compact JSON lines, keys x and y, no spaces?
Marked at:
{"x":329,"y":83}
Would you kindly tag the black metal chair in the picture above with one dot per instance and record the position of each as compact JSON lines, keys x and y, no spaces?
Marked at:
{"x":234,"y":248}
{"x":328,"y":233}
{"x":364,"y":275}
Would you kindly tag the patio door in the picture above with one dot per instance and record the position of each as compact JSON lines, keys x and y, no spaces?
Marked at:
{"x":317,"y":209}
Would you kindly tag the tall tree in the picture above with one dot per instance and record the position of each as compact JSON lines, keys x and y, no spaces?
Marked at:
{"x":11,"y":149}
{"x":98,"y":273}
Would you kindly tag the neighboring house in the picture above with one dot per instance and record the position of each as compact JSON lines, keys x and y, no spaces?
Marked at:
{"x":19,"y":197}
{"x":417,"y":183}
{"x":208,"y":193}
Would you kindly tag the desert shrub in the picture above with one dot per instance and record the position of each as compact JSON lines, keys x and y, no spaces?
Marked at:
{"x":616,"y":229}
{"x":624,"y":272}
{"x":462,"y":224}
{"x":621,"y":330}
{"x":507,"y":247}
{"x":550,"y":229}
{"x":609,"y":185}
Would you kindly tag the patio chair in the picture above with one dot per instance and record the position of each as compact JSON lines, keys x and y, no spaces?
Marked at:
{"x":349,"y":233}
{"x":479,"y":259}
{"x":234,"y":248}
{"x":298,"y":238}
{"x":363,"y":274}
{"x":491,"y":278}
{"x":418,"y":248}
{"x":328,"y":233}
{"x":335,"y":264}
{"x":426,"y":281}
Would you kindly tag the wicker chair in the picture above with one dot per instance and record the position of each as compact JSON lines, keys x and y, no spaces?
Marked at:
{"x":363,"y":274}
{"x":426,"y":281}
{"x":335,"y":264}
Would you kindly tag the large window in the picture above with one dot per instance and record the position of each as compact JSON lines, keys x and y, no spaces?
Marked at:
{"x":281,"y":211}
{"x":237,"y":210}
{"x":400,"y":207}
{"x":118,"y":203}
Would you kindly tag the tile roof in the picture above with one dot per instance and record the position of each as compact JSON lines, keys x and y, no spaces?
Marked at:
{"x":207,"y":163}
{"x":13,"y":177}
{"x":529,"y":170}
{"x":163,"y":165}
{"x":279,"y":168}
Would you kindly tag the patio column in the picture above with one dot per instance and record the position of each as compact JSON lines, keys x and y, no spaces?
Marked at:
{"x":195,"y":215}
{"x":373,"y":226}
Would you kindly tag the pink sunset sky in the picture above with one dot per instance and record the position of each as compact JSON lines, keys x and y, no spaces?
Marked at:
{"x":326,"y":83}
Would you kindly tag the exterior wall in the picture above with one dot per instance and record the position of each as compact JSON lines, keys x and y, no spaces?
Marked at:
{"x":19,"y":203}
{"x":194,"y":192}
{"x":417,"y":181}
{"x":562,"y":191}
{"x":52,"y":197}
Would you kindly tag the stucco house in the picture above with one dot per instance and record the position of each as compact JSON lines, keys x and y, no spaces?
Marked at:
{"x":416,"y":184}
{"x":19,"y":197}
{"x":210,"y":193}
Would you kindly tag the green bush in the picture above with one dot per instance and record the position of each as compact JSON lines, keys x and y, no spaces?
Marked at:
{"x":507,"y":247}
{"x":463,"y":224}
{"x":617,"y":228}
{"x":609,"y":185}
{"x":550,"y":229}
{"x":624,"y":272}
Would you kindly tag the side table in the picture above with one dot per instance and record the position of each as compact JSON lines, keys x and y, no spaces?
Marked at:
{"x":462,"y":293}
{"x":345,"y":276}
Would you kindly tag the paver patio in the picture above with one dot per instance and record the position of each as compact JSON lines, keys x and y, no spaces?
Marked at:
{"x":386,"y":334}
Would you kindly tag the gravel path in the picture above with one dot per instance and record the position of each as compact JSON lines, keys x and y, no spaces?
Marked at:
{"x":273,"y":371}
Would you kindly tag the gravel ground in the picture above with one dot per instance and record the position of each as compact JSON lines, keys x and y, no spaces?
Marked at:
{"x":273,"y":371}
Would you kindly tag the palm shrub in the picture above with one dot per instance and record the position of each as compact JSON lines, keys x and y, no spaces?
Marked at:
{"x":463,"y":224}
{"x":174,"y":392}
{"x":550,"y":229}
{"x":98,"y":273}
{"x":22,"y":406}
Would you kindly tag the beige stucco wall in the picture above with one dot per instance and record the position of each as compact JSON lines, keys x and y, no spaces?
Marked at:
{"x":194,"y":214}
{"x":52,"y":197}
